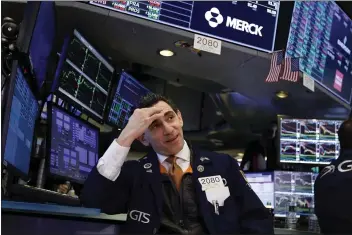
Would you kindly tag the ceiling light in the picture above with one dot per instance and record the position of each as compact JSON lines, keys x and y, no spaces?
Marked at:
{"x":166,"y":53}
{"x":282,"y":94}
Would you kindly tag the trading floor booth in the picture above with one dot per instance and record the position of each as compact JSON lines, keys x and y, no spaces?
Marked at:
{"x":59,"y":95}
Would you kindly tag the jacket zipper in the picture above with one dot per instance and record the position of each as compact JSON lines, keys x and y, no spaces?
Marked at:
{"x":181,"y":222}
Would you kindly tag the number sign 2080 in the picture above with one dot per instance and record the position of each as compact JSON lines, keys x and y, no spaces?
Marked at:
{"x":207,"y":42}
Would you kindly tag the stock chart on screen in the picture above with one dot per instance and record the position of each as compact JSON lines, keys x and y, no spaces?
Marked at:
{"x":86,"y":77}
{"x":309,"y":141}
{"x":297,"y":187}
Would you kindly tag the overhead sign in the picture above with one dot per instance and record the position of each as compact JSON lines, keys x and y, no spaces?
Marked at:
{"x":207,"y":44}
{"x":321,"y":36}
{"x":247,"y":23}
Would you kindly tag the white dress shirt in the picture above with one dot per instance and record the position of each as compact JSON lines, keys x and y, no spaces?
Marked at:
{"x":110,"y":164}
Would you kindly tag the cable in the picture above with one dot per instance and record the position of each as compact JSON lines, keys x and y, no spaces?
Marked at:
{"x":4,"y":83}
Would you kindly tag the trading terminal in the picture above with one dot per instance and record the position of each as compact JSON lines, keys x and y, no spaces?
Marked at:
{"x":64,"y":99}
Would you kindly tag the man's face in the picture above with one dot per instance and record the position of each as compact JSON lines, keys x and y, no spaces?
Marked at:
{"x":165,"y":134}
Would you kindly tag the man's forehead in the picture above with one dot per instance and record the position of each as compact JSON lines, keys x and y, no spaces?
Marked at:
{"x":164,"y":106}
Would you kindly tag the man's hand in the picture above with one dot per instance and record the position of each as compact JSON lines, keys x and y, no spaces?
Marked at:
{"x":137,"y":124}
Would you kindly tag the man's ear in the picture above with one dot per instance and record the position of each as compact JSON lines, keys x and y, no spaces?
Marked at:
{"x":179,"y":115}
{"x":143,"y":140}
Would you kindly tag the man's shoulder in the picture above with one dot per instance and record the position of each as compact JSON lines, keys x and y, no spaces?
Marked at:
{"x":335,"y":174}
{"x":216,"y":157}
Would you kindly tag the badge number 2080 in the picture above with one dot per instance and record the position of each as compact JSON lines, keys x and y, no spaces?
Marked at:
{"x":211,"y":182}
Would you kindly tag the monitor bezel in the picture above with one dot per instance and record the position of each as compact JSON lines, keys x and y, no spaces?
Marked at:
{"x":55,"y":89}
{"x":6,"y":110}
{"x":115,"y":85}
{"x":48,"y":173}
{"x":279,"y":118}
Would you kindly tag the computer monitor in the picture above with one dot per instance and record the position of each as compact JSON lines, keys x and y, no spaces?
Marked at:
{"x":72,"y":145}
{"x":85,"y":77}
{"x":20,"y":116}
{"x":27,"y":26}
{"x":263,"y":185}
{"x":42,"y":41}
{"x":295,"y":187}
{"x":309,"y":141}
{"x":321,"y":37}
{"x":124,"y":99}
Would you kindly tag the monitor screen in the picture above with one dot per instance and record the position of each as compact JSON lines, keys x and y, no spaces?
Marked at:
{"x":296,"y":187}
{"x":85,"y":77}
{"x":263,"y":185}
{"x":309,"y":141}
{"x":127,"y":96}
{"x":42,"y":41}
{"x":24,"y":110}
{"x":321,"y":36}
{"x":73,"y":146}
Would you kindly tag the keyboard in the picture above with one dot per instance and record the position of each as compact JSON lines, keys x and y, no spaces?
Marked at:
{"x":32,"y":194}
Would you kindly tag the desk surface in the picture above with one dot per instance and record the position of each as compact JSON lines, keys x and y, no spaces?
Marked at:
{"x":82,"y":212}
{"x":52,"y":209}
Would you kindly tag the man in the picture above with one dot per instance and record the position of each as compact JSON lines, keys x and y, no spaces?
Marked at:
{"x":254,"y":156}
{"x":333,"y":188}
{"x":167,"y":191}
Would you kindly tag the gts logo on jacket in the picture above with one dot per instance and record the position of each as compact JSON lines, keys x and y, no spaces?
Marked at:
{"x":140,"y":216}
{"x":345,"y":166}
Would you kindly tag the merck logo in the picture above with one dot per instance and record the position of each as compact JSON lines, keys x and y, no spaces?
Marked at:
{"x":244,"y":26}
{"x":214,"y":18}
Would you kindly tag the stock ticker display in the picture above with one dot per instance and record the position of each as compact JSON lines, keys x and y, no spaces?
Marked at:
{"x":73,"y":146}
{"x":248,"y":23}
{"x":128,"y":93}
{"x":296,"y":187}
{"x":23,"y":113}
{"x":309,"y":141}
{"x":321,"y":36}
{"x":86,"y":77}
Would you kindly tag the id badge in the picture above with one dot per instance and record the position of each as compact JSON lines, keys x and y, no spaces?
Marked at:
{"x":211,"y":182}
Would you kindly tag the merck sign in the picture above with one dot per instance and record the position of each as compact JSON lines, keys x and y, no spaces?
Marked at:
{"x":244,"y":26}
{"x":214,"y":18}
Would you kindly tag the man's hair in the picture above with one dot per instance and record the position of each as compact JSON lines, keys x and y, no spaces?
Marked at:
{"x":345,"y":134}
{"x":151,"y":99}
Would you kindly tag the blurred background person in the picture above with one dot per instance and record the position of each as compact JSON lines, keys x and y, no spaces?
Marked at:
{"x":333,"y":188}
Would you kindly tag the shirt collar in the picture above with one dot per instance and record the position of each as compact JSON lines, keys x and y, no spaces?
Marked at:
{"x":184,"y":154}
